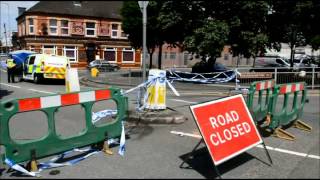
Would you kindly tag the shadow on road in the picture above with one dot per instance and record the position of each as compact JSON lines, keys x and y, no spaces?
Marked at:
{"x":201,"y":161}
{"x":4,"y":92}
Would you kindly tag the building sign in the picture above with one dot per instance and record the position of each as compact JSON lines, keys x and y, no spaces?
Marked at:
{"x":261,"y":75}
{"x":77,"y":28}
{"x":104,"y":29}
{"x":226,"y":126}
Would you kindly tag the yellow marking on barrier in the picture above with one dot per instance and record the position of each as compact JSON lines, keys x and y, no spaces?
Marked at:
{"x":280,"y":133}
{"x":303,"y":126}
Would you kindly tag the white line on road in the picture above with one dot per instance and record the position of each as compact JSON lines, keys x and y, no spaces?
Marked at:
{"x":10,"y":85}
{"x":47,"y":92}
{"x":259,"y":146}
{"x":179,"y":100}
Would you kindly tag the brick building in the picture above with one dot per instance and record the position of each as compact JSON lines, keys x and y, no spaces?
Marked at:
{"x":80,"y":30}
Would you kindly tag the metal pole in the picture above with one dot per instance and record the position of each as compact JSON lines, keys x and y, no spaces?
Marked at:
{"x":313,"y":77}
{"x":5,"y":36}
{"x":275,"y":75}
{"x":144,"y":39}
{"x":7,"y":46}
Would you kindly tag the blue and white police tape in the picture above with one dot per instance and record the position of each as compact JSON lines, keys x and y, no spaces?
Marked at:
{"x":145,"y":85}
{"x":215,"y":77}
{"x":102,"y":114}
{"x":52,"y":163}
{"x":19,"y":168}
{"x":122,"y":147}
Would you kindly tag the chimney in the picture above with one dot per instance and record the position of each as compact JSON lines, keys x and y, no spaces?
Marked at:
{"x":21,"y":10}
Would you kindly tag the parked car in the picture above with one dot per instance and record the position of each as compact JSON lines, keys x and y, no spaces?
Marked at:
{"x":103,"y":65}
{"x":304,"y":63}
{"x":269,"y":63}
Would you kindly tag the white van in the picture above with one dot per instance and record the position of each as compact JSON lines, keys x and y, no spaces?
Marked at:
{"x":43,"y":66}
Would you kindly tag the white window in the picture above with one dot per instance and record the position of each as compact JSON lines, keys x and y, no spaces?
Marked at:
{"x":90,"y":29}
{"x":128,"y":55}
{"x":31,"y":26}
{"x":49,"y":49}
{"x":172,"y":55}
{"x":64,"y":27}
{"x":71,"y":52}
{"x":114,"y":30}
{"x":53,"y":26}
{"x":110,"y":54}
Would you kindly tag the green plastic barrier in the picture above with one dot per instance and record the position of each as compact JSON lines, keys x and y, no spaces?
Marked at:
{"x":285,"y":116}
{"x":51,"y":143}
{"x":265,"y":89}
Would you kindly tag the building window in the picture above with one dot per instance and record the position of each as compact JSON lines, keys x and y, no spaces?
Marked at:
{"x":110,"y":54}
{"x":31,"y":26}
{"x":91,"y":29}
{"x":32,"y":48}
{"x":49,"y":49}
{"x":53,"y":26}
{"x":172,"y":55}
{"x":128,"y":55}
{"x":64,"y":27}
{"x":165,"y":55}
{"x":114,"y":30}
{"x":71,"y":52}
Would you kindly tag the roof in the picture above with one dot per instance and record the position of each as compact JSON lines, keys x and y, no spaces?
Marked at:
{"x":100,"y":9}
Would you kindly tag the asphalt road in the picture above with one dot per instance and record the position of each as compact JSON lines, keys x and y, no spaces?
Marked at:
{"x":153,"y":151}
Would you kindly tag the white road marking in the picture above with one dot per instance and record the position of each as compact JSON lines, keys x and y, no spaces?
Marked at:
{"x":3,"y":70}
{"x":47,"y":92}
{"x":259,"y":146}
{"x":10,"y":85}
{"x":179,"y":100}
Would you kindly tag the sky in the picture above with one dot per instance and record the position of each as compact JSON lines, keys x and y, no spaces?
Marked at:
{"x":9,"y":12}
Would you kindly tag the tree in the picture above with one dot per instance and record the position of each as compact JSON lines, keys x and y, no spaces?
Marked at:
{"x":288,"y":23}
{"x":208,"y":40}
{"x":132,"y":25}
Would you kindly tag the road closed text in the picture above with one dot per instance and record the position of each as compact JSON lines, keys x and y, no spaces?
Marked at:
{"x":227,"y":134}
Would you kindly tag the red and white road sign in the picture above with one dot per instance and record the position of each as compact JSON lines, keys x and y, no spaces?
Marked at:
{"x":226,"y":126}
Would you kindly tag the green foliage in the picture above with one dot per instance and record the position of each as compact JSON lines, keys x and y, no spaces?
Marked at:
{"x":205,"y":27}
{"x":209,"y":39}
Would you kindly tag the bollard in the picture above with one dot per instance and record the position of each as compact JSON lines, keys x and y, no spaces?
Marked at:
{"x":94,"y":72}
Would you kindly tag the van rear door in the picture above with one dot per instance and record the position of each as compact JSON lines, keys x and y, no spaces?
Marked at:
{"x":55,"y":67}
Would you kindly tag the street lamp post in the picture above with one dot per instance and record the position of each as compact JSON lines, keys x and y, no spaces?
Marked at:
{"x":143,"y":7}
{"x":8,"y":25}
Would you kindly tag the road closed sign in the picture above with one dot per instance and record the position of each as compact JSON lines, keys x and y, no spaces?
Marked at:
{"x":226,"y":126}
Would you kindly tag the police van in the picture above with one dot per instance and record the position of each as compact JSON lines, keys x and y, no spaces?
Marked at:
{"x":38,"y":67}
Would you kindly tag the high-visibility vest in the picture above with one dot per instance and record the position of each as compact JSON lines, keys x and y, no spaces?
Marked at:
{"x":10,"y":63}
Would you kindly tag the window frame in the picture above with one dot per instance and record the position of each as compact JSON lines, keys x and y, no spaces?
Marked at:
{"x":113,"y":30}
{"x":31,"y":18}
{"x":56,"y":27}
{"x":75,"y":50}
{"x":94,"y":29}
{"x":54,"y":49}
{"x":127,"y":50}
{"x":112,"y":49}
{"x":67,"y":27}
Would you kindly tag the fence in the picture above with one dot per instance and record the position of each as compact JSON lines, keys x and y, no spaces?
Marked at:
{"x":311,"y":76}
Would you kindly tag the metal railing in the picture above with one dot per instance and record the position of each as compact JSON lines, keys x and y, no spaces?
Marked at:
{"x":309,"y":75}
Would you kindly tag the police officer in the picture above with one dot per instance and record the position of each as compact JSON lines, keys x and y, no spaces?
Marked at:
{"x":11,"y":66}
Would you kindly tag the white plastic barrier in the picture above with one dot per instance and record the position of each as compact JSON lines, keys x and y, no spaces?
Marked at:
{"x":72,"y":80}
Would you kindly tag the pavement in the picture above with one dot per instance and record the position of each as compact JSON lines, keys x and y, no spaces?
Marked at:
{"x":127,"y":80}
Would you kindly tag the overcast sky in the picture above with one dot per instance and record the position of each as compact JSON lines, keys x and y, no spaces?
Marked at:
{"x":9,"y":12}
